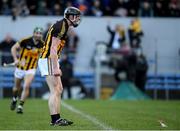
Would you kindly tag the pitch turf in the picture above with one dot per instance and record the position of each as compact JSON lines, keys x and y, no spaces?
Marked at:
{"x":114,"y":114}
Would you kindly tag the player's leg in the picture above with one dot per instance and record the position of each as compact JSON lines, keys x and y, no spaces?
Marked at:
{"x":18,"y":75}
{"x":15,"y":91}
{"x":25,"y":93}
{"x":56,"y":88}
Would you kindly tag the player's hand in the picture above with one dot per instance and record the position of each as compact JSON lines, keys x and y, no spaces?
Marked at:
{"x":16,"y":62}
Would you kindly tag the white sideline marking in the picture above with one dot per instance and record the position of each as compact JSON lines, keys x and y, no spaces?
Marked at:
{"x":90,"y":118}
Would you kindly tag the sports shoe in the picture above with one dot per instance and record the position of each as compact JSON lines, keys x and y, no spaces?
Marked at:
{"x":13,"y":105}
{"x":19,"y":110}
{"x":62,"y":122}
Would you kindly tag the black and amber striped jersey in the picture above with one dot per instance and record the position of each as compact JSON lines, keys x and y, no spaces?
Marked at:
{"x":58,"y":30}
{"x":29,"y":53}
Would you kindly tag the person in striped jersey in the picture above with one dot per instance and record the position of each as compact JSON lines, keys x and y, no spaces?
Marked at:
{"x":25,"y":54}
{"x":49,"y":65}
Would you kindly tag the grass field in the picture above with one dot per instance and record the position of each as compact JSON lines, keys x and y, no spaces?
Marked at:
{"x":111,"y":114}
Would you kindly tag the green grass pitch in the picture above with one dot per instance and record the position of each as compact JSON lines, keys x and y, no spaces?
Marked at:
{"x":115,"y":114}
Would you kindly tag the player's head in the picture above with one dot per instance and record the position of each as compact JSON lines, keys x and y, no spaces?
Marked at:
{"x":73,"y":15}
{"x":38,"y":33}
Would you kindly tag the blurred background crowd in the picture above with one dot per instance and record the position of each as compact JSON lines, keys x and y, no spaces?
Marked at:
{"x":143,"y":8}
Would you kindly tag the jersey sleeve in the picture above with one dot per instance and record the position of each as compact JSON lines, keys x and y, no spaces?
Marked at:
{"x":23,"y":42}
{"x":60,"y":31}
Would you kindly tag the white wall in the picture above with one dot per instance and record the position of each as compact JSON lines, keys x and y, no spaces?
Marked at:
{"x":162,"y":35}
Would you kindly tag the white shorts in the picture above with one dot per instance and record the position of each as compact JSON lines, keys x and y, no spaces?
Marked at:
{"x":22,"y":73}
{"x":49,"y":66}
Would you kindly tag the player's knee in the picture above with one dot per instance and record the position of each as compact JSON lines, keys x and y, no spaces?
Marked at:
{"x":26,"y":87}
{"x":56,"y":94}
{"x":59,"y":90}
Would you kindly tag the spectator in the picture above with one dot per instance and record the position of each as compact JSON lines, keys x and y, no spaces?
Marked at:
{"x":120,"y":64}
{"x":125,"y":49}
{"x":133,"y":7}
{"x":106,"y":5}
{"x":5,"y":47}
{"x":32,"y":5}
{"x":96,"y":9}
{"x":146,"y":10}
{"x":135,"y":33}
{"x":84,"y":6}
{"x":120,"y":8}
{"x":160,"y":8}
{"x":68,"y":3}
{"x":123,"y":62}
{"x":130,"y":59}
{"x":68,"y":79}
{"x":57,"y":9}
{"x":141,"y":70}
{"x":5,"y":8}
{"x":67,"y":71}
{"x":19,"y":8}
{"x":174,"y":9}
{"x":42,"y":8}
{"x":117,"y":36}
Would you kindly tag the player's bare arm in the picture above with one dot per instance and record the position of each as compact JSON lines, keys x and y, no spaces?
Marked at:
{"x":54,"y":57}
{"x":14,"y":49}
